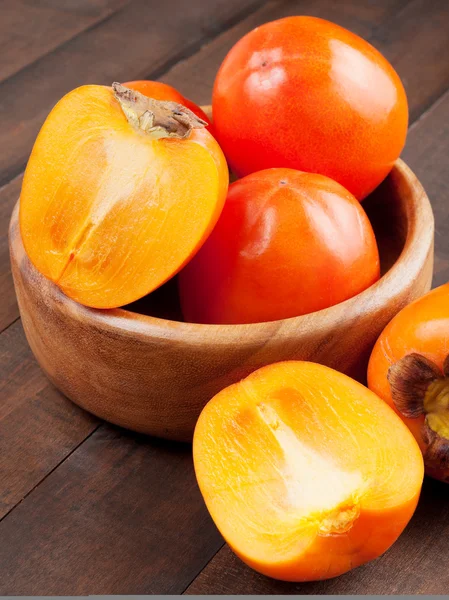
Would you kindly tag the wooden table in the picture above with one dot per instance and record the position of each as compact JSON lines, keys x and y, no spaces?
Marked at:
{"x":87,"y":508}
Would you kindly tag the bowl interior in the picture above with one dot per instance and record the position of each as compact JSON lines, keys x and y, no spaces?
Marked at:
{"x":385,"y":211}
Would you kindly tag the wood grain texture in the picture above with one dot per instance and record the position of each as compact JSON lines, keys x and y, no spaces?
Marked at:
{"x":154,"y":376}
{"x":9,"y":310}
{"x":101,"y":55}
{"x":416,"y":42}
{"x":29,"y":30}
{"x":122,"y":515}
{"x":427,"y":151}
{"x":411,"y":566}
{"x":38,"y":426}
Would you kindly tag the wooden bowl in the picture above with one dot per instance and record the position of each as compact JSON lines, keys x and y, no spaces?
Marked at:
{"x":154,"y":375}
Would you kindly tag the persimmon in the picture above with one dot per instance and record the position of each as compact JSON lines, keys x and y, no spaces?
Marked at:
{"x":306,"y":473}
{"x":409,"y":369}
{"x":287,"y":243}
{"x":119,"y":193}
{"x":304,"y":93}
{"x":162,"y":91}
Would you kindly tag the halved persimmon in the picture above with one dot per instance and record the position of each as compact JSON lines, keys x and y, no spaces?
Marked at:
{"x":305,"y":472}
{"x":119,"y":193}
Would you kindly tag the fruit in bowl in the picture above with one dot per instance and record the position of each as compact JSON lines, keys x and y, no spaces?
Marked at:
{"x":134,"y":367}
{"x":304,"y":93}
{"x":287,"y":243}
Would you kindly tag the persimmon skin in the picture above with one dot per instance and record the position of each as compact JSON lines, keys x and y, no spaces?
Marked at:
{"x":287,"y":243}
{"x":107,"y":212}
{"x":304,"y":93}
{"x":421,"y":327}
{"x":162,"y":91}
{"x":305,"y":472}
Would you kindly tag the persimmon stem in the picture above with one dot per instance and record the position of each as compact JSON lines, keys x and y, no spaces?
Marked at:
{"x":156,"y":118}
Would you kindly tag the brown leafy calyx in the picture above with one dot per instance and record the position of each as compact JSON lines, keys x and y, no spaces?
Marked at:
{"x":437,"y":452}
{"x":419,"y":387}
{"x":157,"y":118}
{"x":409,"y":380}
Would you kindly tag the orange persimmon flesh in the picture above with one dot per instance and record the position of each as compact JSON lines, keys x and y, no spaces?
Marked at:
{"x":109,"y":210}
{"x":306,"y":473}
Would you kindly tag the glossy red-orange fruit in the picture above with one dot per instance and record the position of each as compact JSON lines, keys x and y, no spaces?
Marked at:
{"x":409,"y":369}
{"x":305,"y":93}
{"x":287,"y":243}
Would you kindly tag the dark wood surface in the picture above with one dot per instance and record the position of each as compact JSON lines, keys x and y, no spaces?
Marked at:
{"x":86,"y":508}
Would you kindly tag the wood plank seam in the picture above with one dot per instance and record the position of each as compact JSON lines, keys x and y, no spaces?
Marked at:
{"x":440,"y":100}
{"x":397,"y":13}
{"x":211,"y":558}
{"x":195,"y":47}
{"x":9,"y":325}
{"x":30,"y":491}
{"x":90,"y":27}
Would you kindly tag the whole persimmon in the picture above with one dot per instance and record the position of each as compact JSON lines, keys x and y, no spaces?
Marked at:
{"x":119,"y":193}
{"x":304,"y":93}
{"x":287,"y":243}
{"x":306,"y":473}
{"x":162,"y":91}
{"x":409,"y":369}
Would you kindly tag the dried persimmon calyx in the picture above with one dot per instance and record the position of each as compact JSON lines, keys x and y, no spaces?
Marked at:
{"x":437,"y":452}
{"x":157,"y":118}
{"x":419,"y":387}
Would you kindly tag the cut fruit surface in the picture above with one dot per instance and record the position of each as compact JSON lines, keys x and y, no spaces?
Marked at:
{"x":120,"y":191}
{"x":305,"y":472}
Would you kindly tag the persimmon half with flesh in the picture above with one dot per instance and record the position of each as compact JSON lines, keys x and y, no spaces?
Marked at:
{"x":287,"y":243}
{"x":306,"y":473}
{"x":119,"y":193}
{"x":409,"y":369}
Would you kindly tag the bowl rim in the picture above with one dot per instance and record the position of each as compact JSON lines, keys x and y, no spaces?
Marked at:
{"x":123,"y":321}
